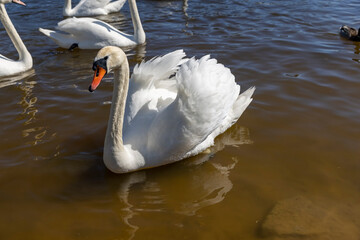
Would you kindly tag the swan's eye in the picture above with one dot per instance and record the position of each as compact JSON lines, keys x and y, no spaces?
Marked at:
{"x":101,"y":63}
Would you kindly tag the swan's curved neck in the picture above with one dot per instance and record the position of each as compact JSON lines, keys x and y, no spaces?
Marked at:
{"x":67,"y":8}
{"x":114,"y":131}
{"x":24,"y":55}
{"x":139,"y":33}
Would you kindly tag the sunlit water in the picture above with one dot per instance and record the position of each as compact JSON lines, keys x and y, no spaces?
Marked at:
{"x":299,"y":137}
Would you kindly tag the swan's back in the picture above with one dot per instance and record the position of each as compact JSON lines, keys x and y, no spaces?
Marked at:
{"x":95,"y":7}
{"x":88,"y":33}
{"x":90,"y":4}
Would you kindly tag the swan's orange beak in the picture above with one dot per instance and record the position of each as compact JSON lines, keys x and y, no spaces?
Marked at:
{"x":18,"y":2}
{"x":98,"y":76}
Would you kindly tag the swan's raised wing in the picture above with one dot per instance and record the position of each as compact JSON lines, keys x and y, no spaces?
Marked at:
{"x":152,"y":85}
{"x":207,"y":93}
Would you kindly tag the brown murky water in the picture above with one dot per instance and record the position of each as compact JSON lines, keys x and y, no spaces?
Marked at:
{"x":289,"y":169}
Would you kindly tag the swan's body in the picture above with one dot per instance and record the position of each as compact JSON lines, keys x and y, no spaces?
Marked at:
{"x":349,"y":33}
{"x":90,"y":33}
{"x":92,"y":8}
{"x":172,"y":109}
{"x":8,"y":66}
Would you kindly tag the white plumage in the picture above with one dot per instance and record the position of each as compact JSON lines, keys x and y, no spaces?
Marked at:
{"x":91,"y":33}
{"x":174,"y":109}
{"x":92,"y":8}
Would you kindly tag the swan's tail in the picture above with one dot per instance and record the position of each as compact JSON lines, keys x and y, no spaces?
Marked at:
{"x":64,"y":40}
{"x":46,"y":32}
{"x":242,"y":102}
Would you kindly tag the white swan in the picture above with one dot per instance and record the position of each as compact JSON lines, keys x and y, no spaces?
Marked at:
{"x":7,"y":66}
{"x":92,"y":8}
{"x":173,"y":108}
{"x":90,"y":33}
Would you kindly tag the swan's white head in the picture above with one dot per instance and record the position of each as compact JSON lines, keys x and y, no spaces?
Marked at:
{"x":107,"y":59}
{"x":13,"y":1}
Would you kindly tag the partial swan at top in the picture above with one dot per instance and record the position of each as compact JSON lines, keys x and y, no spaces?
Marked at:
{"x":92,"y":8}
{"x":171,"y":108}
{"x":91,"y":33}
{"x":8,"y":66}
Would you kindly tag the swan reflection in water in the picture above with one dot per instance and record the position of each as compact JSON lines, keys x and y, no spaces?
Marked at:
{"x":182,"y":188}
{"x":137,"y":55}
{"x":23,"y":130}
{"x":25,"y":83}
{"x":15,"y":79}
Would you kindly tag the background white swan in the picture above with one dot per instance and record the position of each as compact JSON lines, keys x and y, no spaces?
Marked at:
{"x":172,"y":108}
{"x":90,"y":33}
{"x":92,"y":8}
{"x":25,"y":62}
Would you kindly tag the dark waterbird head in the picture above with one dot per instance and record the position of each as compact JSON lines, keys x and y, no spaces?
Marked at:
{"x":349,"y":33}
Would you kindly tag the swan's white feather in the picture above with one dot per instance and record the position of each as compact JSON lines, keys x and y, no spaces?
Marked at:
{"x":115,"y":6}
{"x":91,"y":4}
{"x":88,"y":33}
{"x":239,"y":107}
{"x":151,"y":84}
{"x":206,"y":94}
{"x":151,"y":89}
{"x":94,"y":8}
{"x":10,"y":67}
{"x":170,"y":118}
